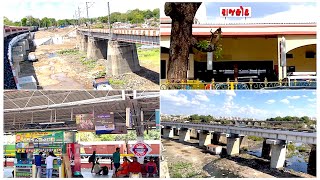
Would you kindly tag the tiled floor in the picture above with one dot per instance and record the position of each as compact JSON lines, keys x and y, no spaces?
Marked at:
{"x":85,"y":172}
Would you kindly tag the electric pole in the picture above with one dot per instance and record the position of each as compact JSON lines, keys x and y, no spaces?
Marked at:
{"x":109,"y":21}
{"x":79,"y":16}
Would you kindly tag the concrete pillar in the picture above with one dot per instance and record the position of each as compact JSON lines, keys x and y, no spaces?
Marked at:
{"x":190,"y":72}
{"x":312,"y":164}
{"x":23,"y":47}
{"x":278,"y":152}
{"x":83,"y":45}
{"x":266,"y":149}
{"x":27,"y":47}
{"x":215,"y":138}
{"x":97,"y":49}
{"x":233,"y":145}
{"x":122,"y":58}
{"x":184,"y":135}
{"x":204,"y":138}
{"x":168,"y":132}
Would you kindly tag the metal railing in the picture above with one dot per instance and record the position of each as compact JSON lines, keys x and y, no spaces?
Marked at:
{"x":234,"y":85}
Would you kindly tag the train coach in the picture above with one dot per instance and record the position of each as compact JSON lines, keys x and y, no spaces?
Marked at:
{"x":9,"y":31}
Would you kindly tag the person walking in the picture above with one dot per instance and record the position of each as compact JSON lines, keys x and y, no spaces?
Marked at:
{"x":49,"y":163}
{"x":37,"y":162}
{"x":92,"y":159}
{"x":116,"y":160}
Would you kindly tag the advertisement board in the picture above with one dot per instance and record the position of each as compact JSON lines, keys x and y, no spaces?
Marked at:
{"x":104,"y":123}
{"x":85,"y":122}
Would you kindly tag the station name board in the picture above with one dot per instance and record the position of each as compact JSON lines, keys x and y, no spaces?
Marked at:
{"x":235,"y":11}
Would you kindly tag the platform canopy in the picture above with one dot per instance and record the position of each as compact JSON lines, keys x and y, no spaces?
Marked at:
{"x":56,"y":110}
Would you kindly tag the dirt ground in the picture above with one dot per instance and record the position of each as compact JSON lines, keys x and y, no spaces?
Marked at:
{"x":66,"y":71}
{"x":206,"y":165}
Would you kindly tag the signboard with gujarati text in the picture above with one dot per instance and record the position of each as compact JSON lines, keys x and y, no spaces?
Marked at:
{"x":235,"y":11}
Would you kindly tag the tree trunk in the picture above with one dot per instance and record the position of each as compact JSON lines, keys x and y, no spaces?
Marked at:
{"x":182,"y":15}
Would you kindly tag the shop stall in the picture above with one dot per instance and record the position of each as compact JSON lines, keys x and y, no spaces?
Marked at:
{"x":30,"y":144}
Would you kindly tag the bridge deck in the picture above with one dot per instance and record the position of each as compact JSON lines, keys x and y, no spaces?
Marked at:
{"x":296,"y":136}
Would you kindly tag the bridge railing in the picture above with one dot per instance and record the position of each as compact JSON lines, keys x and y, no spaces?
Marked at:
{"x":234,"y":85}
{"x":134,"y":31}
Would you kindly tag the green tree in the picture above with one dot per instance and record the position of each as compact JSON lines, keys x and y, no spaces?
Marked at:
{"x":156,"y":13}
{"x":24,"y":21}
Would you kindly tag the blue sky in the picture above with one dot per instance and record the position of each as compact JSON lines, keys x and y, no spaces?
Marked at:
{"x":245,"y":104}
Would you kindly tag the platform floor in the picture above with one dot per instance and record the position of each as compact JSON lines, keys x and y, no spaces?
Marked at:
{"x":7,"y":173}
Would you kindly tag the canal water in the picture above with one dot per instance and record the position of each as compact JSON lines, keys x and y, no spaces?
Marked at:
{"x":296,"y":162}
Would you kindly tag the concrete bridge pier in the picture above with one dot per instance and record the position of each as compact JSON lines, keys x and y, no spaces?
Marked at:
{"x":266,"y":150}
{"x":97,"y":48}
{"x":233,"y":144}
{"x":184,"y":135}
{"x":168,"y":132}
{"x":83,"y":43}
{"x":122,"y":58}
{"x":204,"y":138}
{"x":312,"y":164}
{"x":278,"y":152}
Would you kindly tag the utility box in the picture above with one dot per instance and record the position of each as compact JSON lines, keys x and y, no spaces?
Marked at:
{"x":214,"y":149}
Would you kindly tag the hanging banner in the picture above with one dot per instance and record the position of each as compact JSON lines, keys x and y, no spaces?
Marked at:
{"x":120,"y":128}
{"x":49,"y":136}
{"x":104,"y":123}
{"x":85,"y":122}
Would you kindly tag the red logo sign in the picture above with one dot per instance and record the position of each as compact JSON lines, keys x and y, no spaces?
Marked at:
{"x":140,"y":149}
{"x":235,"y":11}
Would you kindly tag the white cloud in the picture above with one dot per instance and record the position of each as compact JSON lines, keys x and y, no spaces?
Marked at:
{"x":16,"y":10}
{"x":293,"y":97}
{"x":305,"y":96}
{"x":312,"y":99}
{"x":271,"y":101}
{"x":291,"y":107}
{"x":200,"y":95}
{"x":265,"y":92}
{"x":175,"y":98}
{"x":230,"y":93}
{"x":285,"y":101}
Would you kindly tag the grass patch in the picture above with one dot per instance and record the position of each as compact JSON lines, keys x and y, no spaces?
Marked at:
{"x":191,"y":174}
{"x":291,"y":147}
{"x":149,"y":54}
{"x":90,"y":63}
{"x":69,"y":52}
{"x":116,"y":82}
{"x":180,"y":168}
{"x":255,"y":138}
{"x":302,"y":148}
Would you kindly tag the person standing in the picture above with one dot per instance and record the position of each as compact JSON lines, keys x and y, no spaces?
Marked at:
{"x":49,"y":163}
{"x":116,"y":160}
{"x":37,"y":162}
{"x":92,"y":159}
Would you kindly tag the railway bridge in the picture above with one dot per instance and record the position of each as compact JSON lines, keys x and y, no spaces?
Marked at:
{"x":117,"y":47}
{"x":275,"y":140}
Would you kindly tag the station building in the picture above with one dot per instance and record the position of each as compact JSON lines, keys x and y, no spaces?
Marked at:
{"x":248,"y":49}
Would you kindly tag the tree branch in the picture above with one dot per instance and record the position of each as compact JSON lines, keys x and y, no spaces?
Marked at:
{"x":211,"y":46}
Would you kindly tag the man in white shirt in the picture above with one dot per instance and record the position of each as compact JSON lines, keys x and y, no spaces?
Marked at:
{"x":49,"y":163}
